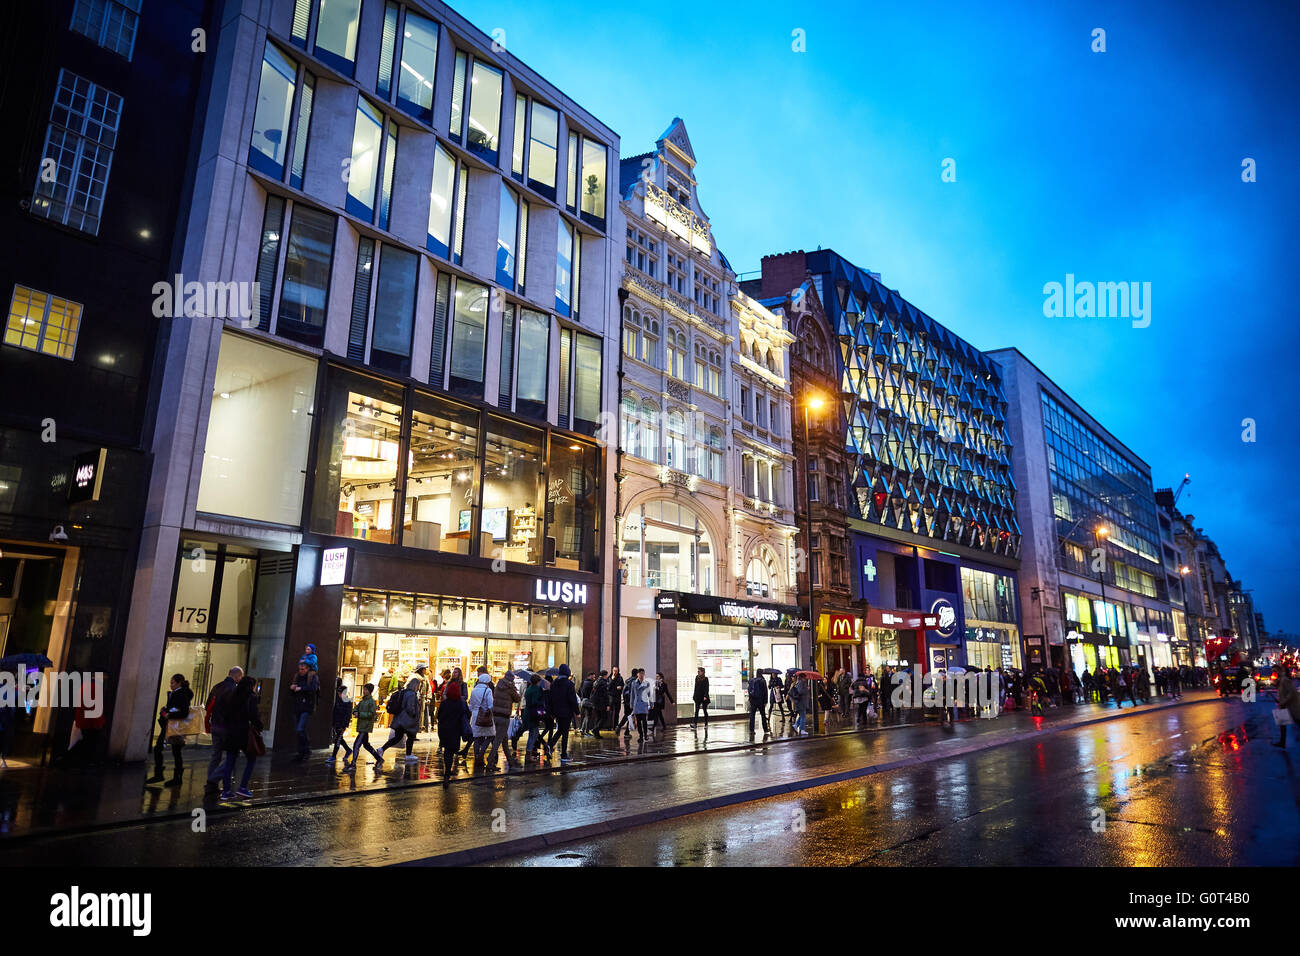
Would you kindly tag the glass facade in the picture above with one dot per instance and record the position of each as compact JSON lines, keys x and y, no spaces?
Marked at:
{"x":926,"y":416}
{"x":1094,"y":485}
{"x":665,"y":545}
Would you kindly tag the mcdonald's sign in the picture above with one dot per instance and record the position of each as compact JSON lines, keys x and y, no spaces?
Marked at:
{"x":839,"y":627}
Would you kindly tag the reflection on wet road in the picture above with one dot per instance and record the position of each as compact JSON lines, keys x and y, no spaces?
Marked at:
{"x":1189,"y":786}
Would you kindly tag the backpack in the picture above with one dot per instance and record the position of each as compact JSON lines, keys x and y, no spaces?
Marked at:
{"x":394,"y":703}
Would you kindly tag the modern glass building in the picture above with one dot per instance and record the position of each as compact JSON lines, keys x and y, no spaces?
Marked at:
{"x":1093,"y":580}
{"x":929,"y":466}
{"x":392,"y":452}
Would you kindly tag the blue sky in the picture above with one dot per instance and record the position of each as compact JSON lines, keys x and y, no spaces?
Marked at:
{"x":1115,"y":166}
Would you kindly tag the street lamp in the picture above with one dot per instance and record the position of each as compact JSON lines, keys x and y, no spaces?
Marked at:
{"x":813,"y":402}
{"x":1098,"y":533}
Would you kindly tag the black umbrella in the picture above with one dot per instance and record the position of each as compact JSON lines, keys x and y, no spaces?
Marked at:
{"x":25,"y":660}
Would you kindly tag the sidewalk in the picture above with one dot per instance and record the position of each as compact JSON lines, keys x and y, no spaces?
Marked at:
{"x":37,"y":800}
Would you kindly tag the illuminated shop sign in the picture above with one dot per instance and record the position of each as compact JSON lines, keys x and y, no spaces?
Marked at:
{"x":561,"y":592}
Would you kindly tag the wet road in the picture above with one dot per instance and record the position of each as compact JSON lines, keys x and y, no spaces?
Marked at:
{"x":1188,"y":786}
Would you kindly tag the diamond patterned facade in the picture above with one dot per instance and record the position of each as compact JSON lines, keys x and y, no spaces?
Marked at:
{"x":926,"y":416}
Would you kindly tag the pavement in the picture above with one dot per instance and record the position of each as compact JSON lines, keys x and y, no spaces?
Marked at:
{"x":492,"y":816}
{"x":1181,"y":787}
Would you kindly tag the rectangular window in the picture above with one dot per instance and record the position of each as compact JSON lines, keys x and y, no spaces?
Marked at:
{"x":419,"y":61}
{"x":586,"y":387}
{"x":458,"y":96}
{"x":110,"y":23}
{"x":301,"y":130}
{"x":512,"y":492}
{"x":593,"y":182}
{"x":438,"y":352}
{"x":363,"y":171}
{"x":361,"y":299}
{"x":505,"y":385}
{"x":387,"y":50}
{"x":744,"y":403}
{"x":462,"y":189}
{"x":268,"y":260}
{"x":308,"y":254}
{"x":79,"y":140}
{"x":440,"y":201}
{"x":468,"y":338}
{"x":390,"y":342}
{"x":520,"y":278}
{"x":573,"y":505}
{"x":266,"y":150}
{"x":571,"y":180}
{"x":301,"y":21}
{"x":564,"y":268}
{"x":442,"y":477}
{"x":543,"y":146}
{"x":566,"y":354}
{"x":390,"y":163}
{"x":517,"y":138}
{"x":259,"y":427}
{"x":43,"y":323}
{"x":358,"y":455}
{"x":484,"y":131}
{"x":337,"y":22}
{"x":533,"y":361}
{"x":507,"y":236}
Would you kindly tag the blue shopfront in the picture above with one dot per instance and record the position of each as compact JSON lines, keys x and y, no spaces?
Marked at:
{"x":967,"y":609}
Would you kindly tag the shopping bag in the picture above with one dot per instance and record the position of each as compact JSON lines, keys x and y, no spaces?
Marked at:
{"x":191,"y":726}
{"x":515,"y":726}
{"x":1282,"y":717}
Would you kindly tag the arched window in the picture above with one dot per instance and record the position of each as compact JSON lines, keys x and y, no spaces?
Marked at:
{"x":758,"y":578}
{"x":715,"y":456}
{"x":666,"y":546}
{"x":632,"y":342}
{"x":677,"y":347}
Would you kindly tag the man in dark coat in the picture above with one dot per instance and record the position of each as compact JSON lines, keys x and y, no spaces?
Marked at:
{"x":701,"y":698}
{"x":758,"y":702}
{"x":305,"y":692}
{"x":216,"y":721}
{"x":563,"y":705}
{"x":615,"y":697}
{"x":600,"y":702}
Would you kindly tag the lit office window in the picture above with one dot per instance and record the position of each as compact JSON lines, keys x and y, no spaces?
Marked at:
{"x":270,"y":140}
{"x":484,"y":131}
{"x":390,"y":164}
{"x":337,"y":22}
{"x":457,"y":128}
{"x":306,"y":275}
{"x":419,"y":60}
{"x":544,"y":142}
{"x":517,"y":137}
{"x":390,"y":341}
{"x":564,"y":268}
{"x":468,"y":338}
{"x":593,"y":182}
{"x":440,"y":201}
{"x":363,"y":171}
{"x":110,"y":23}
{"x":507,"y":236}
{"x":79,"y":140}
{"x":43,"y":323}
{"x":305,"y":98}
{"x":533,"y":362}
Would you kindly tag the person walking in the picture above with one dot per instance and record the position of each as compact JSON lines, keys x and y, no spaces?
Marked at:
{"x":534,"y":717}
{"x":701,"y":698}
{"x":600,"y":703}
{"x":242,"y":721}
{"x":1086,"y":682}
{"x":861,"y":696}
{"x":214,"y":720}
{"x":482,"y":700}
{"x":505,"y":695}
{"x":365,"y":712}
{"x":776,"y":697}
{"x":467,"y":733}
{"x":451,"y":726}
{"x":758,"y":702}
{"x":305,"y":693}
{"x":616,"y":684}
{"x":886,"y":684}
{"x":798,"y":696}
{"x":564,"y":706}
{"x":1287,"y":700}
{"x":625,"y":700}
{"x":842,"y":685}
{"x":177,"y":707}
{"x":1175,"y":683}
{"x":661,"y":697}
{"x":340,"y":720}
{"x":639,"y":693}
{"x":426,"y":695}
{"x":406,"y":724}
{"x":585,"y":705}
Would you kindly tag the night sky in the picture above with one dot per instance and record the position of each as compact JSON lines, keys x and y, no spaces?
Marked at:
{"x":1117,"y":166}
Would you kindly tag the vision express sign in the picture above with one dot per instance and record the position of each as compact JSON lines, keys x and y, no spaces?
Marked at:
{"x":699,"y":607}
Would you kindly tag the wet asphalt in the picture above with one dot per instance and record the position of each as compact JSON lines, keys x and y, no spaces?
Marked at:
{"x":1192,"y":786}
{"x":1196,"y":784}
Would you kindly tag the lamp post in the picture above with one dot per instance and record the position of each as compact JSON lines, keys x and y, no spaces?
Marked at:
{"x":618,"y":497}
{"x":815,"y":403}
{"x":1098,"y":533}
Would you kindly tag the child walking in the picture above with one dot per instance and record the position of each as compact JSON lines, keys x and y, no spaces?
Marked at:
{"x":341,"y":717}
{"x":365,"y":711}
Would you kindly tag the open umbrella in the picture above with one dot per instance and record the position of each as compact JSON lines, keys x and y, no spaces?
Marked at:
{"x":25,"y":660}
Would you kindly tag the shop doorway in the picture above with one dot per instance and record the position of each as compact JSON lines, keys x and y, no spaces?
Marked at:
{"x":836,"y":657}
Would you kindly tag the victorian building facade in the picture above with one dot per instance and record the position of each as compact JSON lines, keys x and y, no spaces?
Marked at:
{"x":705,"y":519}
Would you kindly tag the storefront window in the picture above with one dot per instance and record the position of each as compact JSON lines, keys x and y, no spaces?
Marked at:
{"x":258,"y":430}
{"x":426,"y":613}
{"x":441,"y":473}
{"x":235,"y":606}
{"x":665,"y":546}
{"x":476,"y":616}
{"x":573,"y":505}
{"x":401,"y":610}
{"x":374,"y":609}
{"x":195,"y":576}
{"x":453,"y":614}
{"x":724,"y":654}
{"x":358,"y":458}
{"x":512,"y":492}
